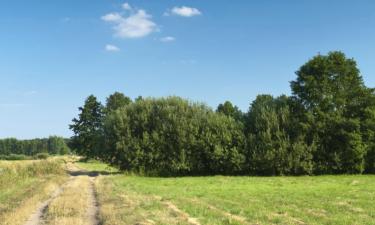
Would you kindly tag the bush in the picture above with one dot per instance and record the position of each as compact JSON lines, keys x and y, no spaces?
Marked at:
{"x":43,"y":155}
{"x":14,"y":157}
{"x":171,"y":136}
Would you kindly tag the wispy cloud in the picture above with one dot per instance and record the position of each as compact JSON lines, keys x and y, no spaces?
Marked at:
{"x":112,"y":17}
{"x":126,"y":6}
{"x":137,"y":24}
{"x":183,"y":11}
{"x":167,"y":39}
{"x":111,"y":48}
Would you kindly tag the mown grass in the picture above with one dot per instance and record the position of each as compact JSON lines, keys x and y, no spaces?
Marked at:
{"x":125,"y":199}
{"x":23,"y":184}
{"x":236,"y":200}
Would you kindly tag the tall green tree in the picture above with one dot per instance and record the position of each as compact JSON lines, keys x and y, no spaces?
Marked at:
{"x":332,"y":90}
{"x":57,"y":145}
{"x":116,"y":101}
{"x":273,"y":146}
{"x":228,"y":109}
{"x":88,"y":128}
{"x":368,"y":132}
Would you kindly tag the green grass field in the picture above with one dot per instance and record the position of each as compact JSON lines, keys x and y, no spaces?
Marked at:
{"x":128,"y":199}
{"x":304,"y":200}
{"x":237,"y":200}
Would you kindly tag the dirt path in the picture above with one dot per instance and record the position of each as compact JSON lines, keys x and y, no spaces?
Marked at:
{"x":37,"y":216}
{"x":72,"y":203}
{"x":93,"y":209}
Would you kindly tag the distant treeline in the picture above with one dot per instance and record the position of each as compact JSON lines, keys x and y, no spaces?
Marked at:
{"x":53,"y":145}
{"x":327,"y":126}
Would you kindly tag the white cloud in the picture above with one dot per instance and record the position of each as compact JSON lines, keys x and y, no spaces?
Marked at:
{"x":112,"y":48}
{"x":185,"y":11}
{"x":167,"y":39}
{"x":112,"y":17}
{"x":136,"y":25}
{"x":126,"y":6}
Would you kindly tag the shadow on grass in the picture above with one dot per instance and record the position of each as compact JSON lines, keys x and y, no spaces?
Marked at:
{"x":91,"y":173}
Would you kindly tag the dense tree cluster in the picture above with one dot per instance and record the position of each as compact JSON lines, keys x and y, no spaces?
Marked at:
{"x":53,"y":145}
{"x":327,"y":126}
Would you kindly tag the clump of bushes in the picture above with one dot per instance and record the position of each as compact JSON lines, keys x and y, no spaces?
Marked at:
{"x":15,"y":157}
{"x":173,"y":136}
{"x":42,"y":155}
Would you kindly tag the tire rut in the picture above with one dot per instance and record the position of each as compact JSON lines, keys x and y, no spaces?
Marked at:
{"x":37,"y":217}
{"x":93,"y":209}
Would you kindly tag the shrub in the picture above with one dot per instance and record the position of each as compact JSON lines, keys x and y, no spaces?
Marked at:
{"x":171,"y":136}
{"x":15,"y":157}
{"x":43,"y":155}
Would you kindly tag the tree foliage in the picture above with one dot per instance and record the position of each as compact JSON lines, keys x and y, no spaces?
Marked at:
{"x":88,"y":128}
{"x":116,"y":101}
{"x":273,"y":147}
{"x":53,"y":145}
{"x":228,"y":109}
{"x":327,"y":126}
{"x":332,"y":90}
{"x":173,"y":136}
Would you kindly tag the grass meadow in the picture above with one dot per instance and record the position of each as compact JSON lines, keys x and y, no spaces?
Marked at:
{"x":115,"y":198}
{"x":341,"y":199}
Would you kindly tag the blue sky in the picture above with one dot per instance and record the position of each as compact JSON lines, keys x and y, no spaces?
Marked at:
{"x":53,"y":54}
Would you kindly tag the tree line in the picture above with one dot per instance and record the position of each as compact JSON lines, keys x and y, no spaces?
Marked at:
{"x":326,"y":126}
{"x":52,"y":145}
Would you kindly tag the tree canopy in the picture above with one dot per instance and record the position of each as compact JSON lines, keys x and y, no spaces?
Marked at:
{"x":53,"y":145}
{"x":327,"y":126}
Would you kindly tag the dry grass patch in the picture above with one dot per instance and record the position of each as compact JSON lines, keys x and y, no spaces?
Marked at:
{"x":24,"y":184}
{"x":30,"y":203}
{"x":72,"y":205}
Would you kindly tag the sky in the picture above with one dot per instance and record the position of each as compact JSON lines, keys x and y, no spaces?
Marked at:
{"x":53,"y":54}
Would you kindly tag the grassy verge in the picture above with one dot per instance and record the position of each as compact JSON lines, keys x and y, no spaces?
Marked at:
{"x":23,"y":184}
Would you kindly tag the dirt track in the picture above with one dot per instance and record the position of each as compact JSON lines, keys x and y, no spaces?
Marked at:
{"x":77,"y":196}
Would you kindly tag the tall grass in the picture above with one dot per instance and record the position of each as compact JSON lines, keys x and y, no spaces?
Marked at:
{"x":24,"y":184}
{"x":13,"y":171}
